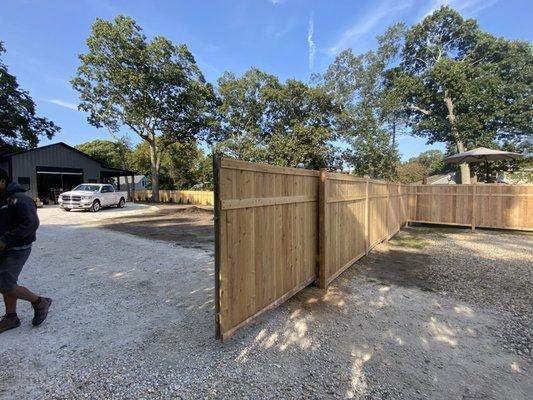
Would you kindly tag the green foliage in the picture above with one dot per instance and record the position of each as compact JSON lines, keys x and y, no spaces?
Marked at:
{"x":370,"y":113}
{"x":432,"y":162}
{"x":155,"y":88}
{"x":113,"y":154}
{"x":183,"y":165}
{"x":263,"y":120}
{"x":20,"y":127}
{"x":411,"y":171}
{"x":462,"y":86}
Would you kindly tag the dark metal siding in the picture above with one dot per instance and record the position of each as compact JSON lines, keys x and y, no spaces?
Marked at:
{"x":25,"y":164}
{"x":4,"y":165}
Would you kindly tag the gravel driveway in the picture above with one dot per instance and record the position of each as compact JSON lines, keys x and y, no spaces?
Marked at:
{"x":133,"y":318}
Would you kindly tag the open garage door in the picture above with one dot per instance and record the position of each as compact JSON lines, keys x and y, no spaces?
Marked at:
{"x":51,"y":181}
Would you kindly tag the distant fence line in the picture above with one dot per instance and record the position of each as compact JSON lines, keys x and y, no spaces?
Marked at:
{"x":205,"y":198}
{"x":478,"y":205}
{"x":279,"y":229}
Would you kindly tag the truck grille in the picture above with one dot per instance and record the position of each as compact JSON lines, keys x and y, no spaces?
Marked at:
{"x":70,"y":198}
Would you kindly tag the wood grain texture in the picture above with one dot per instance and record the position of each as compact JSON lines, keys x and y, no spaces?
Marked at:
{"x":269,"y":217}
{"x":478,"y":205}
{"x":205,"y":198}
{"x":280,"y":229}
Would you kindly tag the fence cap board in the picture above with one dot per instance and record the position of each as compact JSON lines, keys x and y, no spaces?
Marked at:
{"x":230,"y":163}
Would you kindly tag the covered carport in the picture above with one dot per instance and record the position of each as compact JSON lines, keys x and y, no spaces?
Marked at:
{"x":113,"y":175}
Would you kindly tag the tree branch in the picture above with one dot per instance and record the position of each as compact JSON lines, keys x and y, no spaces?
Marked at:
{"x":421,"y":110}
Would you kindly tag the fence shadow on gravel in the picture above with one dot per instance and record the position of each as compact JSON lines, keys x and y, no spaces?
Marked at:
{"x":278,"y":229}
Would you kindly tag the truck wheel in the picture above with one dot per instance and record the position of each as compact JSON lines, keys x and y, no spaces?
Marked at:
{"x":95,"y":207}
{"x":121,"y":203}
{"x":66,"y":209}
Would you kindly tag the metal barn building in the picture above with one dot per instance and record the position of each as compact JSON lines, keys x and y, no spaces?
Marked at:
{"x":49,"y":170}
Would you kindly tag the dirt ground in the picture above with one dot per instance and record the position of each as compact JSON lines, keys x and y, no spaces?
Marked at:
{"x":435,"y":313}
{"x":188,"y":226}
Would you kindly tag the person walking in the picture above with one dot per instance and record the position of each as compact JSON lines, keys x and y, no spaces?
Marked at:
{"x":18,"y":224}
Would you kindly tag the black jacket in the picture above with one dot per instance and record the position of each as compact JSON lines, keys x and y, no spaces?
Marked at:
{"x":18,"y":217}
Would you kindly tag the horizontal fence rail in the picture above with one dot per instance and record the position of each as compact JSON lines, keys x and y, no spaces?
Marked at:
{"x":277,"y":229}
{"x":267,"y":219}
{"x":478,"y":205}
{"x":355,"y":215}
{"x":205,"y":198}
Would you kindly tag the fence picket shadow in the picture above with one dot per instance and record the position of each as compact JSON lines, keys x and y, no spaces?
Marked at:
{"x":279,"y":229}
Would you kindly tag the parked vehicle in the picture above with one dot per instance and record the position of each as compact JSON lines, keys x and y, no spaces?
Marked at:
{"x":92,"y":197}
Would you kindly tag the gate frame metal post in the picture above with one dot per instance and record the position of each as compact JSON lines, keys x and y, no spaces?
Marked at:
{"x":322,"y":229}
{"x":216,"y":207}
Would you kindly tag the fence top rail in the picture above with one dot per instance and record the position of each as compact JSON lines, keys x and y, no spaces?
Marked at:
{"x":479,"y":185}
{"x":336,"y":176}
{"x":230,"y":163}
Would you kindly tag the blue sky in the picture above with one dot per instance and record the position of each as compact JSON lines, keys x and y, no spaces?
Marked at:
{"x":289,"y":38}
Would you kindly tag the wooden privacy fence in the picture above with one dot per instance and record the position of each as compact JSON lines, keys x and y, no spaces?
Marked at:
{"x":266,"y":238}
{"x":478,"y":205}
{"x":178,"y":196}
{"x":355,"y":215}
{"x":270,"y":224}
{"x":278,"y":229}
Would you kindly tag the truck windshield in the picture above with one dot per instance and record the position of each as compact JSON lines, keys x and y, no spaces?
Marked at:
{"x":87,"y":188}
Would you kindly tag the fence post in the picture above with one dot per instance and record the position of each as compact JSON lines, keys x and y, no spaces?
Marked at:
{"x":387,"y":216}
{"x":416,"y":203}
{"x":473,"y":206}
{"x":216,"y":195}
{"x":367,"y":218}
{"x":322,"y":228}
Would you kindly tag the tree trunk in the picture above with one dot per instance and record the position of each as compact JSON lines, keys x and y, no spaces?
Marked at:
{"x":127,"y":182}
{"x":465,"y":168}
{"x":154,"y":161}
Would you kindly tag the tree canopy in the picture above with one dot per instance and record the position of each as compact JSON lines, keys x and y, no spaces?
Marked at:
{"x":264,"y":120}
{"x":109,"y":153}
{"x":183,"y":165}
{"x":154,"y":88}
{"x":462,"y":86}
{"x":20,"y":127}
{"x":370,"y":116}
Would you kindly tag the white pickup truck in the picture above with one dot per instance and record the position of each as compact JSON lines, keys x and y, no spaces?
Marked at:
{"x":92,"y":197}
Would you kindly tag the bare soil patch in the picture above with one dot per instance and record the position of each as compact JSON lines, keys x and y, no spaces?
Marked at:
{"x":186,"y":226}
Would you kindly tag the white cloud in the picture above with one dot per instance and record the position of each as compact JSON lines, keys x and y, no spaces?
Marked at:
{"x":469,"y":7}
{"x":64,"y":104}
{"x":367,"y":23}
{"x":275,"y":2}
{"x":311,"y":42}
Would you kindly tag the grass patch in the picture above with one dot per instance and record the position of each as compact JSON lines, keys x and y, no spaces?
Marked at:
{"x":410,"y":241}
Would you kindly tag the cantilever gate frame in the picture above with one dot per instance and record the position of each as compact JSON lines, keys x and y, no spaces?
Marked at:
{"x":278,"y":229}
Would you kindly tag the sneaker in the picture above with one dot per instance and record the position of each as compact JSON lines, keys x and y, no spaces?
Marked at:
{"x":41,"y":311}
{"x":7,"y":323}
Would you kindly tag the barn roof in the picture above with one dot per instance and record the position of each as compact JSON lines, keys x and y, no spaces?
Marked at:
{"x":103,"y":165}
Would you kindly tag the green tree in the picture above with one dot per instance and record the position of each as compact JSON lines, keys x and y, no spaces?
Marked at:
{"x":432,"y":161}
{"x":462,"y":86}
{"x":264,"y":120}
{"x":113,"y":154}
{"x":20,"y":127}
{"x":371,"y":114}
{"x":155,"y":88}
{"x":411,"y":171}
{"x":182,"y":165}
